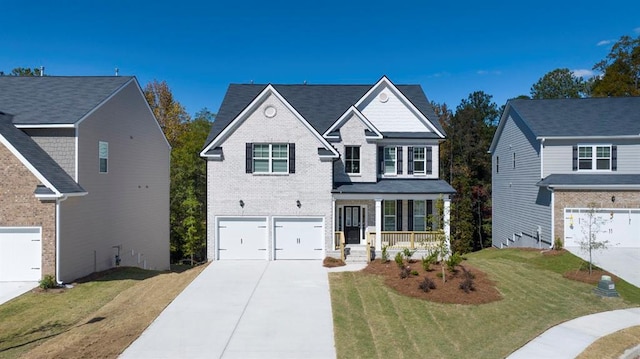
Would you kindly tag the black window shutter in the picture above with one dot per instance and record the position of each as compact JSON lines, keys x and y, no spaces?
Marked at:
{"x":429,"y":212}
{"x":399,"y":215}
{"x":614,"y":158}
{"x":410,"y":214}
{"x":409,"y":160}
{"x":429,"y":160}
{"x":381,"y":159}
{"x":249,"y":157}
{"x":399,"y":160}
{"x":292,"y":158}
{"x":575,"y":158}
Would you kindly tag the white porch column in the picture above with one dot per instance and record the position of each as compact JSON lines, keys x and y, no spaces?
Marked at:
{"x":333,"y":224}
{"x":446,"y":221}
{"x":378,"y":224}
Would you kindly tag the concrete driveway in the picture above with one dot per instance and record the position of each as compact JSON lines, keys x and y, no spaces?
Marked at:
{"x":246,"y":309}
{"x":621,"y":261}
{"x":10,"y":290}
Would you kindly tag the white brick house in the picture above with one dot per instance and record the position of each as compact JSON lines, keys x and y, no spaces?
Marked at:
{"x":290,"y":168}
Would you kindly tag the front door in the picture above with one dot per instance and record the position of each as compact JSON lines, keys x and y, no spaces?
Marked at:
{"x":352,"y":224}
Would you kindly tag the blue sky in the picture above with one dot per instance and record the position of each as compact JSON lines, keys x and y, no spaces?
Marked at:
{"x":451,"y":48}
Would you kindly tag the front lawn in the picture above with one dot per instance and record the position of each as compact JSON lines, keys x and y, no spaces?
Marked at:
{"x":373,"y":321}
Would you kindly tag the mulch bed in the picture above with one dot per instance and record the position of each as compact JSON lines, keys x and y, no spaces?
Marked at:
{"x":583,"y":276}
{"x":447,"y":292}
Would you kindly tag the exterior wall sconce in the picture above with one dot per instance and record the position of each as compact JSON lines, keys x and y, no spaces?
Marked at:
{"x":298,"y":203}
{"x":613,"y":198}
{"x":242,"y":203}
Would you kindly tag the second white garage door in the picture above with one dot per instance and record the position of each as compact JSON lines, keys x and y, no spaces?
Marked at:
{"x":20,"y":253}
{"x":298,"y":238}
{"x":242,"y":238}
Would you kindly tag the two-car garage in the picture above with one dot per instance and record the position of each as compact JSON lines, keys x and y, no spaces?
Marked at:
{"x":619,"y":227}
{"x":251,"y":238}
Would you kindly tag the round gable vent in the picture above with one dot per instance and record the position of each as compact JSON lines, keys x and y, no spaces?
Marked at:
{"x":270,"y":111}
{"x":383,"y":97}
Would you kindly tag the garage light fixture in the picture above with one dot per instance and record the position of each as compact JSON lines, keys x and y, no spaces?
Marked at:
{"x":298,"y":203}
{"x":242,"y":203}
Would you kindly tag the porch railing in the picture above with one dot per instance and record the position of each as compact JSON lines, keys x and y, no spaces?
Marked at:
{"x":408,"y":239}
{"x":339,"y":241}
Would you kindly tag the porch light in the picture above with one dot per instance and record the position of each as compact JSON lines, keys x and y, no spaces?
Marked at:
{"x":298,"y":203}
{"x":242,"y":203}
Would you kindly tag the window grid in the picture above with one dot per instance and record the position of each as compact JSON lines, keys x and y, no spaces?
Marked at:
{"x":600,"y":162}
{"x":352,"y":159}
{"x":419,"y":160}
{"x":389,"y":215}
{"x":390,"y":160}
{"x":271,"y":158}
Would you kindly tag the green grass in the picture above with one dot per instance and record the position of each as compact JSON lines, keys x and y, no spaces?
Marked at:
{"x":373,"y":321}
{"x":31,"y":318}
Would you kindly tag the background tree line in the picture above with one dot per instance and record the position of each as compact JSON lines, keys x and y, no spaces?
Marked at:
{"x":464,"y":160}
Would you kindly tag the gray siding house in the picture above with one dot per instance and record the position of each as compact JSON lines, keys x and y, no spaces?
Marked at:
{"x":556,"y":160}
{"x":85,"y":178}
{"x":292,"y":170}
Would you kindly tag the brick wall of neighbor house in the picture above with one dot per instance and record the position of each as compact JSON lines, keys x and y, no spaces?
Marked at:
{"x":60,"y":144}
{"x":269,"y":195}
{"x":20,"y":208}
{"x":581,"y":199}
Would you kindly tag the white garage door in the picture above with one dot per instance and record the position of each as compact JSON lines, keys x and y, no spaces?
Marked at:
{"x":298,"y":238}
{"x":20,"y":254}
{"x":242,"y":238}
{"x":621,"y":227}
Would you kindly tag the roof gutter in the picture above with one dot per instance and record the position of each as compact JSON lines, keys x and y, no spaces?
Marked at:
{"x":58,"y":202}
{"x":620,"y":137}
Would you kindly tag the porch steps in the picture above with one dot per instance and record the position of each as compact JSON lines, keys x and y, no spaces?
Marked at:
{"x":356,"y":253}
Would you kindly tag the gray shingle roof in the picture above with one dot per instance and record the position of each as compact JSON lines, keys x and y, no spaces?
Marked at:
{"x":54,"y":99}
{"x":598,"y":116}
{"x":38,"y":158}
{"x":396,"y":186}
{"x":320,"y":105}
{"x":590,"y":180}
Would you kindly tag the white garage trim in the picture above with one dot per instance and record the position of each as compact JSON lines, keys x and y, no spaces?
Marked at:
{"x":20,"y":254}
{"x":619,"y":226}
{"x":298,"y":238}
{"x":241,"y":238}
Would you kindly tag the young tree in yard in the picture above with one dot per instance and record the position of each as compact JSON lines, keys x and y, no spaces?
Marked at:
{"x":590,"y":230}
{"x":193,"y":226}
{"x":559,"y":83}
{"x":620,"y":70}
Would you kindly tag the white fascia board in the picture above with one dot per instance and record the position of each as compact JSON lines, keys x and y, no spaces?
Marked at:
{"x":29,"y":166}
{"x":56,"y":125}
{"x":268,"y":90}
{"x":590,"y":138}
{"x":352,"y":111}
{"x":597,"y":187}
{"x":384,"y":81}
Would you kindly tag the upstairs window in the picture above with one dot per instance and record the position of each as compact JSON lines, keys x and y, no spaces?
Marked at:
{"x":103,"y":155}
{"x":352,"y":159}
{"x":419,"y":160}
{"x":390,"y":156}
{"x":594,"y":158}
{"x":270,"y":158}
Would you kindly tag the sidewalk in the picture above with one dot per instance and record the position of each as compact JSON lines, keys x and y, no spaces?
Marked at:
{"x":569,"y":339}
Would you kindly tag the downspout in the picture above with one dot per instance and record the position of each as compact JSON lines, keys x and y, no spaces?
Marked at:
{"x":542,"y":158}
{"x":553,"y":218}
{"x":58,"y":201}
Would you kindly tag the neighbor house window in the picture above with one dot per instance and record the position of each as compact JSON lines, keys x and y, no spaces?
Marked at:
{"x":352,"y":159}
{"x":419,"y":160}
{"x":271,"y":158}
{"x":497,"y":164}
{"x":390,"y":160}
{"x":389,"y":215}
{"x":103,"y":155}
{"x":594,"y":158}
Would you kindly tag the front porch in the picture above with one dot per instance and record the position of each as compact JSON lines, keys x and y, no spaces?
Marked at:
{"x":394,"y":241}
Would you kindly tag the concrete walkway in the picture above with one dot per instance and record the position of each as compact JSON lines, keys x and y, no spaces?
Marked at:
{"x":10,"y":290}
{"x":571,"y":338}
{"x":246,"y":309}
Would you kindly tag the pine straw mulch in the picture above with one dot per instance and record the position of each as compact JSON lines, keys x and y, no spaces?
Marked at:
{"x":448,"y":292}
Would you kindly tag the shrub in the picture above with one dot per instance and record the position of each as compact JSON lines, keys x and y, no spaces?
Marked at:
{"x":427,"y":261}
{"x":399,"y":259}
{"x":408,"y":253}
{"x":467,"y":284}
{"x":453,"y":261}
{"x":427,"y":284}
{"x":385,"y":254}
{"x":414,"y":272}
{"x":405,"y":272}
{"x":557,"y":244}
{"x":48,"y":282}
{"x":331,"y":262}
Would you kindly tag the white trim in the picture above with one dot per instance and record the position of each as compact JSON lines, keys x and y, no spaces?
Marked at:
{"x":384,"y":81}
{"x":395,"y":162}
{"x":58,"y":202}
{"x":77,"y":154}
{"x":594,"y":157}
{"x":56,"y":125}
{"x":28,"y":165}
{"x":343,"y":119}
{"x":588,"y":138}
{"x":387,"y":196}
{"x":553,"y":217}
{"x":598,"y":187}
{"x":542,"y":158}
{"x":238,"y":120}
{"x":274,"y":219}
{"x":216,"y":241}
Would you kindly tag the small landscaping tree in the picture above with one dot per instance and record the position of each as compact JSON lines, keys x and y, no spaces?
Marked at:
{"x":590,"y":230}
